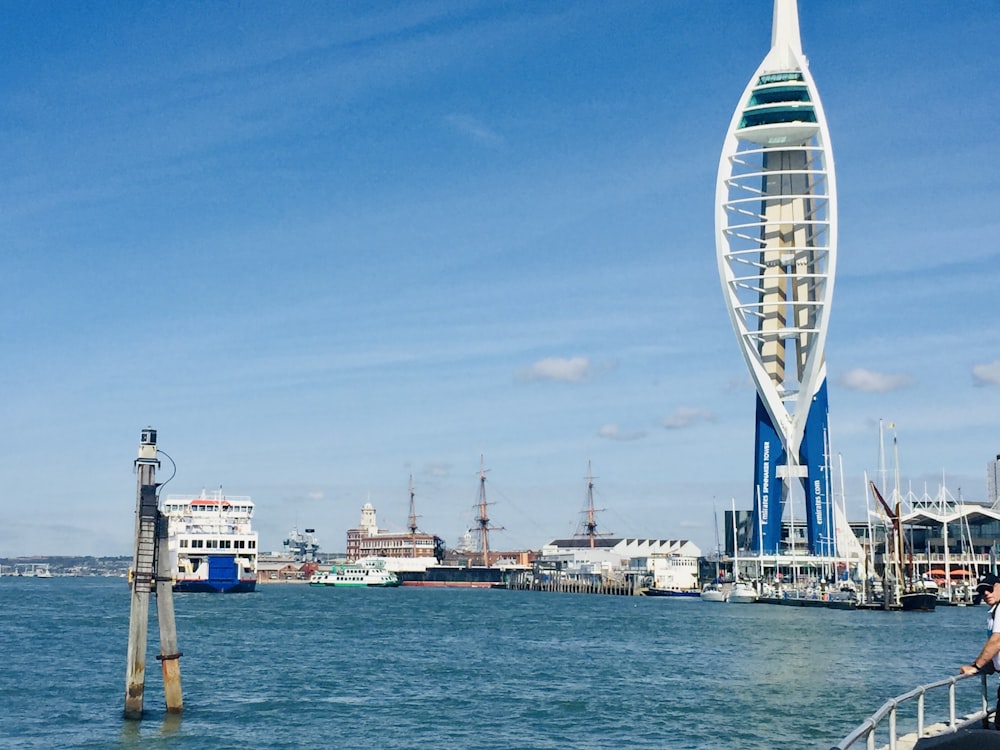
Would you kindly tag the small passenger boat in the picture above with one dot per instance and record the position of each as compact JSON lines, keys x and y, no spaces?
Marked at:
{"x":367,"y":574}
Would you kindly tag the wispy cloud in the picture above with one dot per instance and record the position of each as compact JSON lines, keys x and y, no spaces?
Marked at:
{"x":614,"y":432}
{"x":437,"y":470}
{"x":686,"y":416}
{"x":562,"y":369}
{"x":304,"y":498}
{"x":986,"y":374}
{"x":475,"y":130}
{"x":860,"y":379}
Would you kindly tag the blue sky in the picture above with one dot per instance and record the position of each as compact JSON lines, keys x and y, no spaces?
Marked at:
{"x":321,"y":247}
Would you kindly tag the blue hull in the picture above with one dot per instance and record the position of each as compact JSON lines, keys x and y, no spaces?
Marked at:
{"x":674,"y":593}
{"x":223,"y":578}
{"x":215,"y":587}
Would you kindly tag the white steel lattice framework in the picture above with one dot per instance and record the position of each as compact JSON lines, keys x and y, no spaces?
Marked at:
{"x":776,"y":239}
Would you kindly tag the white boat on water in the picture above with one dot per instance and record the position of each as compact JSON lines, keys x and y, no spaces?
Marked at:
{"x":713,"y":593}
{"x":360,"y":574}
{"x":742,"y":593}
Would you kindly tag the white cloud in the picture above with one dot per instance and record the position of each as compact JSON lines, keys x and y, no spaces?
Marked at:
{"x":566,"y":370}
{"x":437,"y":470}
{"x":860,"y":379}
{"x":614,"y":432}
{"x":304,"y":498}
{"x":988,"y":374}
{"x":686,"y":416}
{"x":475,"y":130}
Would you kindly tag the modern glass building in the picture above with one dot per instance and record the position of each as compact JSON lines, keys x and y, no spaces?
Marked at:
{"x":776,"y":240}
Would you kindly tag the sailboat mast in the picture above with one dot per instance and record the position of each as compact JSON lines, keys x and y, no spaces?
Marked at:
{"x":736,"y":546}
{"x":843,"y":509}
{"x":718,"y":547}
{"x":881,"y":455}
{"x":760,"y":538}
{"x":898,"y":508}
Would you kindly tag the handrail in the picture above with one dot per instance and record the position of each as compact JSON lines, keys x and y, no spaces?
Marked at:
{"x":867,"y":728}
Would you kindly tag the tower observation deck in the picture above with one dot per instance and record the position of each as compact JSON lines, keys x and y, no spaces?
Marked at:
{"x":776,"y":240}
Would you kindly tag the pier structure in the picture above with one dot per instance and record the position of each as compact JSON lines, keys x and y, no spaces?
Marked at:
{"x":776,"y":241}
{"x":151,"y":573}
{"x":610,"y":565}
{"x":550,"y":578}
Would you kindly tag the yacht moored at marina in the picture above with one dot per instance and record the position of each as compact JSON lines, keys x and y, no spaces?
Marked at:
{"x":790,"y":596}
{"x":742,"y":593}
{"x":213,"y":547}
{"x":713,"y":592}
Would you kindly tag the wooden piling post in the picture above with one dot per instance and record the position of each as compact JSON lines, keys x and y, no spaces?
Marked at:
{"x":135,"y":679}
{"x":150,"y":565}
{"x":169,"y":655}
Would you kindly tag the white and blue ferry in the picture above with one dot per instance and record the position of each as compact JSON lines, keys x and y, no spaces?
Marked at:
{"x":213,"y":547}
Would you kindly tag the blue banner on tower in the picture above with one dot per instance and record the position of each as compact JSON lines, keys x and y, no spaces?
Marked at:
{"x":820,"y":529}
{"x":768,"y":455}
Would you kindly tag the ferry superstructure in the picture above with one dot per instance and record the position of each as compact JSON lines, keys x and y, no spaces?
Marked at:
{"x":212,"y":544}
{"x":776,"y":241}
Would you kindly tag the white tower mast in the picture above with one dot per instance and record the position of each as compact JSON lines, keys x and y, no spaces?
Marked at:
{"x":776,"y":239}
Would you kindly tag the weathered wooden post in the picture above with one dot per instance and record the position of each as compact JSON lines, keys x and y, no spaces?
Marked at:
{"x":169,"y":656}
{"x":150,"y":563}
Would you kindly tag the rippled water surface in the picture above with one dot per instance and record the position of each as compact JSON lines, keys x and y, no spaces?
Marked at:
{"x":297,"y":667}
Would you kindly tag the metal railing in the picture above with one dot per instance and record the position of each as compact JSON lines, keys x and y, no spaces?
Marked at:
{"x":868,"y":729}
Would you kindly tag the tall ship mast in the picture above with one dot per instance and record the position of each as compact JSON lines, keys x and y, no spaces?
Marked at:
{"x":412,"y":526}
{"x":483,"y":520}
{"x":588,"y":527}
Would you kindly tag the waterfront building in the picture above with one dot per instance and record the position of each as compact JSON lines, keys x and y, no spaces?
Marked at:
{"x":993,"y":482}
{"x":283,"y":568}
{"x":776,"y":242}
{"x":367,"y":540}
{"x":950,"y":540}
{"x":622,"y":558}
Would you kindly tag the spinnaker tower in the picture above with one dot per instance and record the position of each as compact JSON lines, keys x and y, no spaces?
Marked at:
{"x":776,"y":241}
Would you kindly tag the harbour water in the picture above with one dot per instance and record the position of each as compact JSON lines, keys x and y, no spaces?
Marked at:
{"x":293,"y":666}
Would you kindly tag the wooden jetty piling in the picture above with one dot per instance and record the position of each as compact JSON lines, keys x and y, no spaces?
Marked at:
{"x":150,"y":567}
{"x":551,"y":579}
{"x":169,"y":656}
